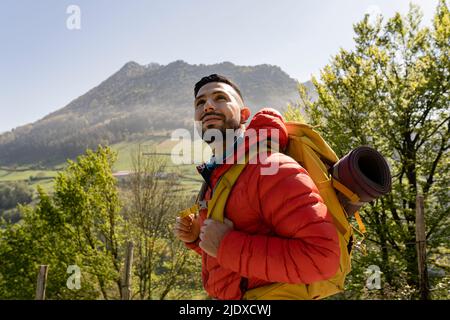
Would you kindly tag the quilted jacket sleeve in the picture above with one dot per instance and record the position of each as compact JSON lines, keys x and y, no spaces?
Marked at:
{"x":304,"y":247}
{"x":194,"y":246}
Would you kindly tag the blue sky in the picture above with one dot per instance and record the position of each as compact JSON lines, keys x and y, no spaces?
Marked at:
{"x":44,"y":65}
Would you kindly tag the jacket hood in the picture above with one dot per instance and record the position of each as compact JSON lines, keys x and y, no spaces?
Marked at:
{"x":271,"y":120}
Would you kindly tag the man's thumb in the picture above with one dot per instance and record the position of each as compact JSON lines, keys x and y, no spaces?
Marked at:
{"x":228,"y":223}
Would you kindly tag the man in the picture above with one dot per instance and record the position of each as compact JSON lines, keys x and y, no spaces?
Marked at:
{"x":276,"y":227}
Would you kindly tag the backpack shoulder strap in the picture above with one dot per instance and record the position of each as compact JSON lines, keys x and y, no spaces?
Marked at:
{"x":216,"y":206}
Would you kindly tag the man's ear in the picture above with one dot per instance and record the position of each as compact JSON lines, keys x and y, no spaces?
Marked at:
{"x":245,"y":114}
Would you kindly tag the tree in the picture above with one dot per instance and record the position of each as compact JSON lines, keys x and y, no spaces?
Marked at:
{"x":162,"y":264}
{"x":13,"y":194}
{"x":392,"y":92}
{"x":88,"y":196}
{"x":79,"y":225}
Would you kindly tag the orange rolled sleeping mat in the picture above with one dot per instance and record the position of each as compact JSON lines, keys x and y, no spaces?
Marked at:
{"x":364,"y":171}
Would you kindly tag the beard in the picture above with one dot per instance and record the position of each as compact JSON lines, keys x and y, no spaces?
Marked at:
{"x":226,"y":125}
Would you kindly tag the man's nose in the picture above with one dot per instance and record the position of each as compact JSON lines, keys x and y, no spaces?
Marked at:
{"x":209,"y":106}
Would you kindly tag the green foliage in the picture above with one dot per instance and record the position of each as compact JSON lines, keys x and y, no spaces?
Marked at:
{"x":294,"y":114}
{"x":83,"y":223}
{"x":79,"y":225}
{"x":12,"y":194}
{"x":163,"y":266}
{"x":392,"y":92}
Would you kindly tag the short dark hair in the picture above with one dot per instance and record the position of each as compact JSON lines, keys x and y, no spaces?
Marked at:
{"x":216,"y":78}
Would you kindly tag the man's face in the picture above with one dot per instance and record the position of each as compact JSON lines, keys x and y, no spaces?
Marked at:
{"x":218,"y":106}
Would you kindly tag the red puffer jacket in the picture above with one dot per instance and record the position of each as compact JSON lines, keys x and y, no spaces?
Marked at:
{"x":282,"y":229}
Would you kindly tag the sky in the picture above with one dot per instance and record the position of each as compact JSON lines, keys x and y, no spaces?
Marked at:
{"x":49,"y":57}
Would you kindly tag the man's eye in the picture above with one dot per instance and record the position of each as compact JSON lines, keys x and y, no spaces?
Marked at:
{"x":199,"y":103}
{"x":221,"y":97}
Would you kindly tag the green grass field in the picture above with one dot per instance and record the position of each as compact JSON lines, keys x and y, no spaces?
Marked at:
{"x":190,"y":179}
{"x":6,"y":176}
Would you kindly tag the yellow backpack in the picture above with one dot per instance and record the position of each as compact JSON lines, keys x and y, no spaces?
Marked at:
{"x":308,"y":148}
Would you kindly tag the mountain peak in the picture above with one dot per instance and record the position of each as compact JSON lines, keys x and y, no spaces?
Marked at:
{"x":227,"y":63}
{"x":132,"y":68}
{"x":177,"y":63}
{"x":153,"y":66}
{"x":131,"y":65}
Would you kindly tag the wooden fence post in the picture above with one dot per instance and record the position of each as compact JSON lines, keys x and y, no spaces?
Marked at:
{"x":126,"y":288}
{"x":421,"y":244}
{"x":41,"y":283}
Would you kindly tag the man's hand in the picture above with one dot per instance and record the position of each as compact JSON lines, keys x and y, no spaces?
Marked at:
{"x":187,"y":229}
{"x":211,"y":234}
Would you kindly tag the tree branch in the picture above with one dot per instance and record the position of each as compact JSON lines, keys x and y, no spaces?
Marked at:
{"x":432,"y":133}
{"x":429,"y":182}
